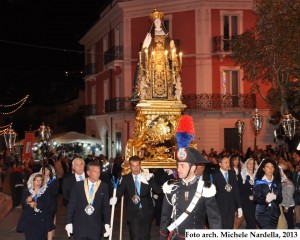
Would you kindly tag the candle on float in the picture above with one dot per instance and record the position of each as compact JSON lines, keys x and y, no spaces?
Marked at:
{"x":146,"y":53}
{"x":173,"y":54}
{"x":180,"y":58}
{"x":140,"y":57}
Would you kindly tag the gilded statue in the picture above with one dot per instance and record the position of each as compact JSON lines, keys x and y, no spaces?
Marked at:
{"x":159,"y":62}
{"x":159,"y":91}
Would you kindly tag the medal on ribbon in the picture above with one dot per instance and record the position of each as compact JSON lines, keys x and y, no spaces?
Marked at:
{"x":136,"y":199}
{"x":228,"y":187}
{"x":89,"y":209}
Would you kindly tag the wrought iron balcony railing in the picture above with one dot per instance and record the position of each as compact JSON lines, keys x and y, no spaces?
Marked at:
{"x":90,"y":110}
{"x":90,"y":69}
{"x":114,"y":53}
{"x":197,"y":102}
{"x":221,"y":44}
{"x":219,"y":102}
{"x":119,"y":105}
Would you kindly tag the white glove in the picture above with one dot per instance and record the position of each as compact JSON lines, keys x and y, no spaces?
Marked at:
{"x":155,"y":196}
{"x":107,"y":230}
{"x":270,"y":197}
{"x":251,"y":197}
{"x":240,"y":212}
{"x":146,"y":174}
{"x":169,"y":171}
{"x":69,"y":229}
{"x":113,"y":201}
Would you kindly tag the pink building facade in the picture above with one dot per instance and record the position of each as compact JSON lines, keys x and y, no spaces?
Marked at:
{"x":213,"y":89}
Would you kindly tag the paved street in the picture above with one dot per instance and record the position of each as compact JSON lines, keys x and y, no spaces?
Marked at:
{"x":9,"y":218}
{"x":8,"y":225}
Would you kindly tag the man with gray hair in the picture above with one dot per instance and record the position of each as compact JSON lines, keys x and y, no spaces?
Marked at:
{"x":70,"y":179}
{"x":88,"y":208}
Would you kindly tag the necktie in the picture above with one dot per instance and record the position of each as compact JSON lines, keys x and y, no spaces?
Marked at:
{"x":80,"y":178}
{"x":226,"y":176}
{"x":91,"y":190}
{"x":137,"y":185}
{"x":138,"y":188}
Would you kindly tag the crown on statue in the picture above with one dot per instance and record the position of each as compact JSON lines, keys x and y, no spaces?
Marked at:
{"x":156,"y":14}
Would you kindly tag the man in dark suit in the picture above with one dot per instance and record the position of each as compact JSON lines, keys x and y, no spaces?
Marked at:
{"x":228,"y":195}
{"x":136,"y":187}
{"x":69,"y":180}
{"x":89,"y":207}
{"x":113,"y":168}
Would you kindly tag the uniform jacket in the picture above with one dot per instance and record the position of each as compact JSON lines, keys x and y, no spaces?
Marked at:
{"x":180,"y":199}
{"x":88,"y":225}
{"x":267,"y":214}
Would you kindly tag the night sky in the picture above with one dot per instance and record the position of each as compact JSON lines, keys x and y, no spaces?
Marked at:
{"x":39,"y":43}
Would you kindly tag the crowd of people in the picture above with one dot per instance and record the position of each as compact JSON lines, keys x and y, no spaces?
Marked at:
{"x":255,"y":188}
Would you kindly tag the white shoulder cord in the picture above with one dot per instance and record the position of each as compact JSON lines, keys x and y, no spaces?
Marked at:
{"x":190,"y":208}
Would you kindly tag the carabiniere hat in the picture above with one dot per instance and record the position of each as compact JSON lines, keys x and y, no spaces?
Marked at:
{"x":185,"y":133}
{"x":190,"y":155}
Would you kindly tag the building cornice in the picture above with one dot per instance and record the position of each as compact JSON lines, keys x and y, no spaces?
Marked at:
{"x":142,"y":8}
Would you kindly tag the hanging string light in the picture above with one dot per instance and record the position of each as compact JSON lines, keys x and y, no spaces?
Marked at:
{"x":19,"y":104}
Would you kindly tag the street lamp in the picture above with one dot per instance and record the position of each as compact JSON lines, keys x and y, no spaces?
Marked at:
{"x":45,"y":133}
{"x":256,"y":123}
{"x":288,"y":123}
{"x":240,"y":127}
{"x":10,"y":137}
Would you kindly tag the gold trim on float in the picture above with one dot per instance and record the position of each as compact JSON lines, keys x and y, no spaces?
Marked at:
{"x":159,"y":109}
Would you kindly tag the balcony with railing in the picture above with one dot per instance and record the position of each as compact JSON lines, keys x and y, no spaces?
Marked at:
{"x":194,"y":102}
{"x":220,"y":102}
{"x":90,"y":69}
{"x":221,"y":46}
{"x":119,"y":105}
{"x":90,"y":110}
{"x":112,"y":54}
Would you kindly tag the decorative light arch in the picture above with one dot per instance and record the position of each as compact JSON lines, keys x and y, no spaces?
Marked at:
{"x":17,"y":106}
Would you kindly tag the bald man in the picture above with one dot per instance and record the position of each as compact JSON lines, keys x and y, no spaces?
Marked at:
{"x":70,"y":179}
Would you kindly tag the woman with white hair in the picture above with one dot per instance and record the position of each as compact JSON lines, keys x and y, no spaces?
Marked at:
{"x":246,"y":190}
{"x":35,"y":221}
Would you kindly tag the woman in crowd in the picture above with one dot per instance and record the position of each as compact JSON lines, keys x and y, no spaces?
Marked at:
{"x":53,"y":187}
{"x":16,"y":180}
{"x":267,"y":194}
{"x":35,"y":221}
{"x":235,"y":165}
{"x":246,"y":190}
{"x":288,"y":202}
